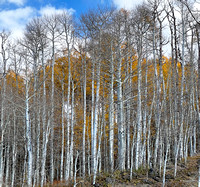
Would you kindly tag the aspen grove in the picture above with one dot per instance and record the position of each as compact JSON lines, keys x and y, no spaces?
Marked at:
{"x":114,"y":90}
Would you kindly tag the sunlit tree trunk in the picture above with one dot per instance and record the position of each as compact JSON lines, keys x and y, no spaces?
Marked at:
{"x":139,"y":116}
{"x":45,"y":126}
{"x":95,"y":125}
{"x":52,"y":111}
{"x":132,"y":150}
{"x":120,"y":114}
{"x":7,"y":161}
{"x":28,"y":131}
{"x":72,"y":134}
{"x":157,"y":95}
{"x":67,"y":159}
{"x":182,"y":81}
{"x":92,"y":112}
{"x":75,"y":168}
{"x":51,"y":23}
{"x":111,"y":113}
{"x":63,"y":128}
{"x":144,"y":150}
{"x":84,"y":110}
{"x":14,"y":150}
{"x":4,"y":56}
{"x":66,"y":21}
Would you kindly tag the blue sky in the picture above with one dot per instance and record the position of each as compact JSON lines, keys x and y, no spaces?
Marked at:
{"x":14,"y":14}
{"x":80,"y":6}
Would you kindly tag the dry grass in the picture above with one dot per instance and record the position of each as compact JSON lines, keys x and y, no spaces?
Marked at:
{"x":187,"y":176}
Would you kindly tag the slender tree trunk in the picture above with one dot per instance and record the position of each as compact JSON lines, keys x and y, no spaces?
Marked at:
{"x":95,"y":126}
{"x":139,"y":114}
{"x":72,"y":134}
{"x":14,"y":151}
{"x":28,"y":134}
{"x":88,"y":152}
{"x":165,"y":164}
{"x":3,"y":53}
{"x":132,"y":150}
{"x":67,"y":160}
{"x":52,"y":113}
{"x":63,"y":130}
{"x":92,"y":113}
{"x":2,"y":129}
{"x":111,"y":115}
{"x":45,"y":125}
{"x":7,"y":163}
{"x":145,"y":112}
{"x":120,"y":116}
{"x":37,"y":173}
{"x":84,"y":111}
{"x":182,"y":82}
{"x":75,"y":168}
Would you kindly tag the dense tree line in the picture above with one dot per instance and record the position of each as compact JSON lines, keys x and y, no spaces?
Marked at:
{"x":99,"y":94}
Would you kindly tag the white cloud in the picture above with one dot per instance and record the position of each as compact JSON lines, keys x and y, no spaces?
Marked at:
{"x":196,"y":6}
{"x":17,"y":2}
{"x":127,"y":4}
{"x":49,"y":10}
{"x":15,"y":20}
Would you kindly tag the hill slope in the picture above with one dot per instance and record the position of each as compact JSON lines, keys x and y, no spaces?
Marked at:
{"x":187,"y":175}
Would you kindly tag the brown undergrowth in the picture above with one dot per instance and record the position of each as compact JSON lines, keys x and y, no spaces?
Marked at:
{"x":187,"y":176}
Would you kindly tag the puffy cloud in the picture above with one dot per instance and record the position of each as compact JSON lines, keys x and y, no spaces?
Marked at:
{"x":15,"y":20}
{"x":196,"y":6}
{"x":49,"y":10}
{"x":16,"y":2}
{"x":127,"y":4}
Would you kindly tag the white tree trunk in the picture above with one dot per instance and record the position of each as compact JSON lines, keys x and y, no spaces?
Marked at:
{"x":2,"y":130}
{"x":84,"y":111}
{"x":92,"y":113}
{"x":7,"y":163}
{"x":120,"y":116}
{"x":165,"y":164}
{"x":28,"y":136}
{"x":75,"y":168}
{"x":63,"y":131}
{"x":37,"y":173}
{"x":132,"y":150}
{"x":45,"y":126}
{"x":144,"y":153}
{"x":72,"y":134}
{"x":67,"y":159}
{"x":111,"y":115}
{"x":14,"y":151}
{"x":52,"y":114}
{"x":182,"y":82}
{"x":95,"y":126}
{"x":3,"y":52}
{"x":139,"y":118}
